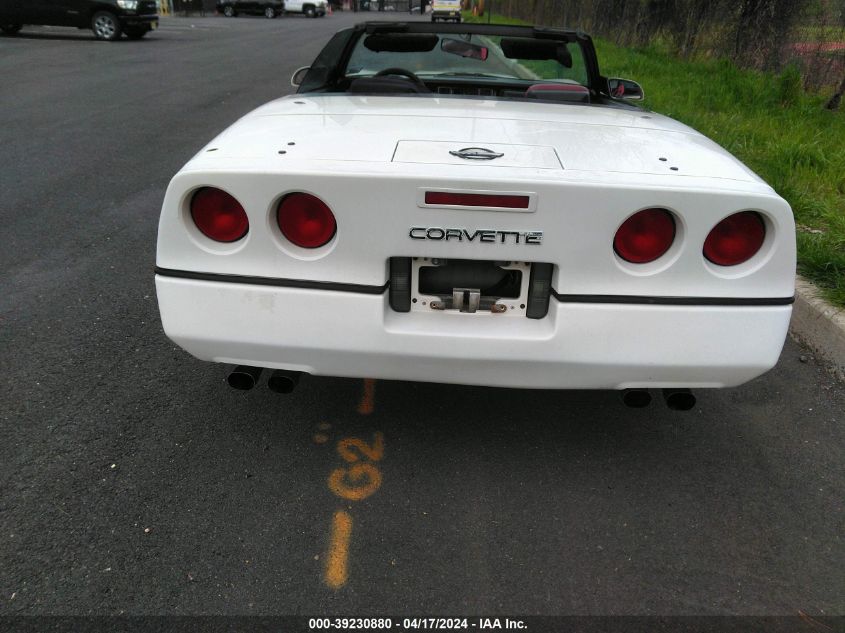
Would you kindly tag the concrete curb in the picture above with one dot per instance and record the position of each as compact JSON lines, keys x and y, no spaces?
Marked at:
{"x":819,"y":325}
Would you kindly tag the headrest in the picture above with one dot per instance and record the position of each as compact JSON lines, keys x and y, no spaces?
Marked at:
{"x":570,"y":93}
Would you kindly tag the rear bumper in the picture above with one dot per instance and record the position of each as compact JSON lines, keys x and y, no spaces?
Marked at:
{"x":578,"y":345}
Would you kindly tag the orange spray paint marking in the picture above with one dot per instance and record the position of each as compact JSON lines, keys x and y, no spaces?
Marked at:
{"x":356,"y":482}
{"x":350,"y":447}
{"x":368,"y":400}
{"x":337,"y":561}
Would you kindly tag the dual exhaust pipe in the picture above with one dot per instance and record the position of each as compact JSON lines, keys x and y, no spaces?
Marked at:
{"x":244,"y":377}
{"x":676,"y":399}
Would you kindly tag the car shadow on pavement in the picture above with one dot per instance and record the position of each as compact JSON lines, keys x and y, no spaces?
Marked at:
{"x":69,"y":35}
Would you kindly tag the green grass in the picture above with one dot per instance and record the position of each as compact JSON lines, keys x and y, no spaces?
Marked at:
{"x":768,"y":122}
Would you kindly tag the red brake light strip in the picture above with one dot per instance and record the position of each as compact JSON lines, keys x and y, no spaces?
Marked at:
{"x":476,"y":200}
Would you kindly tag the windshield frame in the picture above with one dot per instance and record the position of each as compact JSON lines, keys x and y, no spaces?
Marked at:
{"x":329,"y":69}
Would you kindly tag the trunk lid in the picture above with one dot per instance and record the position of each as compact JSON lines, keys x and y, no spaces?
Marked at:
{"x":403,"y":130}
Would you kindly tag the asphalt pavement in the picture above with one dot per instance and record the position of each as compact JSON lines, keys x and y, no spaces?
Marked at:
{"x":133,"y":481}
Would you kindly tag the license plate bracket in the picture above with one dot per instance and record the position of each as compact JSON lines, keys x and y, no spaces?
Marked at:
{"x":470,"y":286}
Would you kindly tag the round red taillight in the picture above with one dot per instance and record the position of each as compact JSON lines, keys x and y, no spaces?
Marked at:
{"x":218,"y":215}
{"x":735,"y":239}
{"x":306,"y":220}
{"x":645,"y":236}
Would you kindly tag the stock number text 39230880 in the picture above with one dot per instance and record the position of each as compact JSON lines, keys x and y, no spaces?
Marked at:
{"x":414,"y":624}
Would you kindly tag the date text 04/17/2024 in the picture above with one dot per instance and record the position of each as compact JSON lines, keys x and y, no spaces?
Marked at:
{"x":431,"y":624}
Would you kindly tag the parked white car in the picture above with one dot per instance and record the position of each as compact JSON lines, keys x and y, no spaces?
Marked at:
{"x":446,"y":10}
{"x":309,"y":8}
{"x":473,"y":204}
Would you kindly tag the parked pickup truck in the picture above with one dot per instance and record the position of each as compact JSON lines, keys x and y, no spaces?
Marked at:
{"x":109,"y":19}
{"x":309,"y":8}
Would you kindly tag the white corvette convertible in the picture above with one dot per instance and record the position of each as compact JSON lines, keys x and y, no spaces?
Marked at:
{"x":474,"y":204}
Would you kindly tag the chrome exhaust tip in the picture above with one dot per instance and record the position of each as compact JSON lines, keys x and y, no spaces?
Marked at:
{"x":636,"y":398}
{"x":283,"y":381}
{"x":679,"y":399}
{"x":243,"y":377}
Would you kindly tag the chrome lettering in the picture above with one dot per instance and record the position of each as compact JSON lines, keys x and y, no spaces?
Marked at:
{"x":486,"y":236}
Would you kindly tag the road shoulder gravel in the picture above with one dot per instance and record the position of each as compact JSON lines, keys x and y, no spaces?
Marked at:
{"x":819,"y":325}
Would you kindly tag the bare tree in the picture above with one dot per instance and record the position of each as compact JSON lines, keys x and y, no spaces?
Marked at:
{"x":759,"y":34}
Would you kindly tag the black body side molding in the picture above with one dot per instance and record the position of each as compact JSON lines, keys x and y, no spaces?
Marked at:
{"x":273,"y":281}
{"x":675,"y":301}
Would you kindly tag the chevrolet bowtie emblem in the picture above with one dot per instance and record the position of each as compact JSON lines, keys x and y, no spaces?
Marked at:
{"x":476,"y":153}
